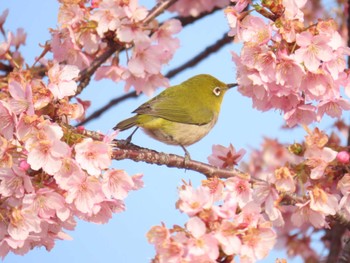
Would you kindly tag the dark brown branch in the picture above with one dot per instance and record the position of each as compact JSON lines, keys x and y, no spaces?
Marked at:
{"x":85,"y":75}
{"x":225,"y":39}
{"x":191,"y":63}
{"x":6,"y":68}
{"x":158,"y":9}
{"x":335,"y":235}
{"x":130,"y":151}
{"x":191,"y":19}
{"x":344,"y":256}
{"x":110,"y":104}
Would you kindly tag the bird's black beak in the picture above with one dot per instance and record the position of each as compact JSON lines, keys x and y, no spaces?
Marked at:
{"x":231,"y":85}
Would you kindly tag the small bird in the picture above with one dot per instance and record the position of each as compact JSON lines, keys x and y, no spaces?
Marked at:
{"x":182,"y":114}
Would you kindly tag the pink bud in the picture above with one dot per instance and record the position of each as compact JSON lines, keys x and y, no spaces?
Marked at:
{"x":80,"y":128}
{"x":24,"y":165}
{"x":343,"y":157}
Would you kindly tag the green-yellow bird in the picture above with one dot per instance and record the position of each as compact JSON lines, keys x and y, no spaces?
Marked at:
{"x":182,"y":114}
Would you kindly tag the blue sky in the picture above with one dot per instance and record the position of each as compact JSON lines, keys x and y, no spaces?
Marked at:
{"x":123,"y":238}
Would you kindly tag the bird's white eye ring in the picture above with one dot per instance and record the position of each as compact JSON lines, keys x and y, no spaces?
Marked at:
{"x":217,"y":91}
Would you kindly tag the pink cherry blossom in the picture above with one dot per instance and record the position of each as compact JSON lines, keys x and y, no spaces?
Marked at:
{"x":313,"y":50}
{"x":62,"y":82}
{"x":22,"y":98}
{"x":146,"y":85}
{"x":323,"y":202}
{"x":5,"y":45}
{"x":49,"y":204}
{"x":3,"y":17}
{"x":84,"y":192}
{"x":289,"y":73}
{"x":230,"y":243}
{"x":93,"y":156}
{"x":107,"y":16}
{"x":14,"y":182}
{"x":233,"y":19}
{"x":303,"y":114}
{"x":239,"y":189}
{"x":257,"y":242}
{"x":284,"y":180}
{"x":7,"y":120}
{"x":66,"y":49}
{"x":254,"y":30}
{"x":319,"y":159}
{"x":117,"y":184}
{"x":6,"y":158}
{"x":90,"y":41}
{"x":70,"y":14}
{"x":317,"y":86}
{"x":266,"y":193}
{"x":344,"y":184}
{"x":45,"y":149}
{"x":304,"y":214}
{"x":158,"y":234}
{"x":19,"y":38}
{"x":137,"y":180}
{"x":164,"y":35}
{"x":202,"y":246}
{"x":338,"y":63}
{"x":293,"y":9}
{"x":225,"y":157}
{"x":192,"y":201}
{"x":66,"y":173}
{"x":22,"y":222}
{"x":333,"y":107}
{"x":110,"y":72}
{"x":145,"y":59}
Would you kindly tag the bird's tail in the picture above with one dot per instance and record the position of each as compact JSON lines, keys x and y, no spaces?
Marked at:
{"x":126,"y":124}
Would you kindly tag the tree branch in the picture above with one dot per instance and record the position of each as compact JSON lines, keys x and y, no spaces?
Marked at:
{"x":133,"y":152}
{"x":109,"y":105}
{"x":344,"y":256}
{"x":335,"y":235}
{"x":225,"y":39}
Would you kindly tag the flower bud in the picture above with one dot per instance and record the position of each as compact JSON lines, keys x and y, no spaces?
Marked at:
{"x":343,"y":157}
{"x":296,"y":148}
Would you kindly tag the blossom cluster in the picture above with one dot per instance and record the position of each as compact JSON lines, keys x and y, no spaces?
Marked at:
{"x":286,"y":65}
{"x":292,"y":192}
{"x":224,"y":223}
{"x":49,"y":174}
{"x":86,"y":32}
{"x":302,"y":188}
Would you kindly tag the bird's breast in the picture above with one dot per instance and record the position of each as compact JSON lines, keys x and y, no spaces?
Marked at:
{"x":176,"y":133}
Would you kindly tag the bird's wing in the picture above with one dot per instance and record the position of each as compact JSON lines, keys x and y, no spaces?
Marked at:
{"x":188,"y":110}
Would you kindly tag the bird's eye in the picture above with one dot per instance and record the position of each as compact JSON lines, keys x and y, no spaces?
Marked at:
{"x":217,"y":91}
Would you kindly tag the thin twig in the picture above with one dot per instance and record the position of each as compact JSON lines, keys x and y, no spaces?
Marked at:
{"x":110,"y":104}
{"x":225,"y":39}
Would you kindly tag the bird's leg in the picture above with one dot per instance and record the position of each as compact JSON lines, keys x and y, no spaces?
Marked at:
{"x":128,"y":140}
{"x":187,"y":154}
